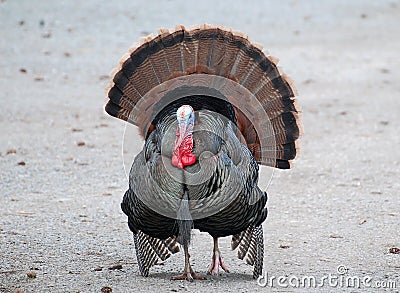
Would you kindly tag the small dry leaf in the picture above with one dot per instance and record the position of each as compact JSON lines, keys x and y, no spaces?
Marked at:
{"x":308,"y":81}
{"x":325,"y":259}
{"x":67,"y":54}
{"x":23,"y":70}
{"x":115,"y":267}
{"x":284,"y":246}
{"x":46,"y":35}
{"x":106,"y":289}
{"x":23,"y":213}
{"x":38,"y":78}
{"x":80,"y":143}
{"x":376,"y":192}
{"x":11,"y":151}
{"x":18,"y":291}
{"x":394,"y":250}
{"x":335,"y":236}
{"x":392,"y":214}
{"x":103,"y":77}
{"x":31,"y":275}
{"x":22,"y":163}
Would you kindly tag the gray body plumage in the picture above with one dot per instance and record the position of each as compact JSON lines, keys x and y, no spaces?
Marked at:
{"x":231,"y":175}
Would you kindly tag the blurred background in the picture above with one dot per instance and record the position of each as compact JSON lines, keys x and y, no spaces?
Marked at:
{"x":61,"y":172}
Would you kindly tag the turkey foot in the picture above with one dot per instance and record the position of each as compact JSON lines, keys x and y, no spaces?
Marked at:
{"x":189,"y":276}
{"x":188,"y":273}
{"x":216,"y":261}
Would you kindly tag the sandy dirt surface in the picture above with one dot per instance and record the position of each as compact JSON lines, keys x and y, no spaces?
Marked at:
{"x":61,"y":172}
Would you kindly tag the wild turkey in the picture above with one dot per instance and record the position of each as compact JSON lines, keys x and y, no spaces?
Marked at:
{"x":211,"y":106}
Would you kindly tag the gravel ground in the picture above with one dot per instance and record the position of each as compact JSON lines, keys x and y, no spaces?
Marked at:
{"x":61,"y":172}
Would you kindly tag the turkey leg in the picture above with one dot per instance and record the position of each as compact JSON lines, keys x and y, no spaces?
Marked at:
{"x":185,"y":224}
{"x":216,"y":261}
{"x":188,"y":273}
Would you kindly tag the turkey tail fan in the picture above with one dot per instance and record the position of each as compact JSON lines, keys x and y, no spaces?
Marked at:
{"x":250,"y":244}
{"x":149,"y":250}
{"x":160,"y":64}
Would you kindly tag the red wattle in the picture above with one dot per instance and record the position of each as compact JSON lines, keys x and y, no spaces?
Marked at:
{"x":176,"y":160}
{"x":188,"y":160}
{"x":182,"y":156}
